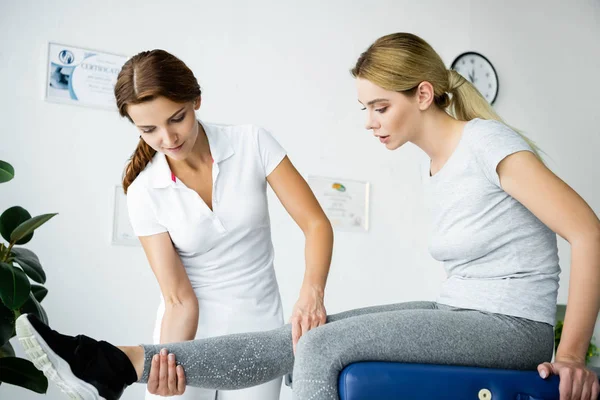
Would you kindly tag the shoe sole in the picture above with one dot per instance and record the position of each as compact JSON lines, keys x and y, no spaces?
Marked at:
{"x":51,"y":364}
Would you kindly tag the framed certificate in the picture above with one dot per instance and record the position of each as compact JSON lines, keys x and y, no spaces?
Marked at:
{"x":122,"y":233}
{"x":345,"y":202}
{"x":82,"y":77}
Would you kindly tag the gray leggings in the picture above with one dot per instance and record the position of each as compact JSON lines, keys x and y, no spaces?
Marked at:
{"x":415,"y":332}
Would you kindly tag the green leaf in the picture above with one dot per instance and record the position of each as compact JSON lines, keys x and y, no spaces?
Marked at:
{"x":29,"y":226}
{"x":7,"y":323}
{"x":32,"y":306}
{"x":14,"y":286}
{"x":20,"y":372}
{"x":7,"y":350}
{"x":39,"y":292}
{"x":7,"y":172}
{"x":30,"y":264}
{"x":11,"y":219}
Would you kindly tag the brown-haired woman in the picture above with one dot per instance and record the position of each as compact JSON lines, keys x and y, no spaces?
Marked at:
{"x":197,"y":200}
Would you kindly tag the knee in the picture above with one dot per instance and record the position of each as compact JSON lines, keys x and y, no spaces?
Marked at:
{"x":313,"y":342}
{"x":318,"y":355}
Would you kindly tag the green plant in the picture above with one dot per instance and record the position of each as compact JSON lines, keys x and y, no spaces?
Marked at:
{"x":17,"y":294}
{"x":592,"y":348}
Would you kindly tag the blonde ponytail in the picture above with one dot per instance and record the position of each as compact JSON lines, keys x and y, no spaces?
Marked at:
{"x":467,"y":103}
{"x":401,"y":61}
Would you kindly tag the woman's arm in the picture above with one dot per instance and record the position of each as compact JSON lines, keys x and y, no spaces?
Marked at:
{"x":526,"y":178}
{"x":300,"y":202}
{"x":180,"y":320}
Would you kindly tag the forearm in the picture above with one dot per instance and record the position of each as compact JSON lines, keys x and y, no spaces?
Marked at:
{"x":318,"y":250}
{"x":583,"y":301}
{"x":180,"y":321}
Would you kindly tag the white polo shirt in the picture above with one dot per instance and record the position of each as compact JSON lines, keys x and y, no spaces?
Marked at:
{"x":227,"y":252}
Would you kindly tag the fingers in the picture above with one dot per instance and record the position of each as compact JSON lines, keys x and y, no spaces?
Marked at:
{"x":296,"y":332}
{"x":153,"y":377}
{"x":545,"y":370}
{"x":595,"y":388}
{"x":176,"y":378}
{"x":180,"y":380}
{"x":163,"y":373}
{"x":317,"y":321}
{"x":565,"y":389}
{"x":586,"y":392}
{"x":300,"y":325}
{"x":589,"y":383}
{"x":305,"y":325}
{"x":322,"y":318}
{"x":576,"y":381}
{"x":303,"y":322}
{"x":172,"y":375}
{"x":578,"y":384}
{"x":166,"y":377}
{"x":591,"y":387}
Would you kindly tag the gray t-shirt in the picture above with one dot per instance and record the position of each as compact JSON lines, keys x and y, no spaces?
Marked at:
{"x":498,"y":256}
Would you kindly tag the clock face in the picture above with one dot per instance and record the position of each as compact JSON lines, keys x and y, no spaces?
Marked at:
{"x":479,"y":71}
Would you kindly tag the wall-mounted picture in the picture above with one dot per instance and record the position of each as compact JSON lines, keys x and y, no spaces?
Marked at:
{"x":82,"y":77}
{"x":122,"y":233}
{"x":345,"y":202}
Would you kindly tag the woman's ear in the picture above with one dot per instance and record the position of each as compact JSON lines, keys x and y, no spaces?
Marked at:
{"x":197,"y":103}
{"x":425,"y":95}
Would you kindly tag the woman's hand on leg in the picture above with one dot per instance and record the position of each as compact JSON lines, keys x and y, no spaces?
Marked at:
{"x":166,"y":377}
{"x":308,"y":313}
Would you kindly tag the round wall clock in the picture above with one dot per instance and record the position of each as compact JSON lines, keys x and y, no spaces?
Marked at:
{"x":478,"y":70}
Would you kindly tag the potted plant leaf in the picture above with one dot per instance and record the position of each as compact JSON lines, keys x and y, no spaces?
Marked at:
{"x":18,"y":295}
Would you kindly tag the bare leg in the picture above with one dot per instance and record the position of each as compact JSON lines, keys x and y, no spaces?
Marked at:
{"x":136,"y":356}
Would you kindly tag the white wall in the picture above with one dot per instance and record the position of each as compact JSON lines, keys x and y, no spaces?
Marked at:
{"x":283,"y":65}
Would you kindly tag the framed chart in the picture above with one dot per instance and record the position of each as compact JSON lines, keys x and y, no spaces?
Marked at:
{"x":345,"y":202}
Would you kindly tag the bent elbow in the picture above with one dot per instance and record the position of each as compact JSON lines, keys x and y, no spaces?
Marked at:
{"x":182,"y":300}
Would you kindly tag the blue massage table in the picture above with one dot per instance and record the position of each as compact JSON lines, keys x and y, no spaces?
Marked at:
{"x":388,"y":381}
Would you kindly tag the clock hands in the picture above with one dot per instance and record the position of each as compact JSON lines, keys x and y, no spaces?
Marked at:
{"x":478,"y":70}
{"x":472,"y":76}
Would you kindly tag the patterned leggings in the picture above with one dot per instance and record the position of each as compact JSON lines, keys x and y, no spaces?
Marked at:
{"x":414,"y":332}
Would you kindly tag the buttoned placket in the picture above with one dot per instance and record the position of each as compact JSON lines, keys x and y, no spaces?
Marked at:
{"x":215,"y":199}
{"x":212,"y":214}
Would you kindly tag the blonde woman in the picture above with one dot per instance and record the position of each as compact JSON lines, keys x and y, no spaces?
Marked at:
{"x":496,"y":209}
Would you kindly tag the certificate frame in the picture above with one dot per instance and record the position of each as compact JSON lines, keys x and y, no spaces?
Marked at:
{"x":122,"y":231}
{"x":81,"y":76}
{"x":344,"y":201}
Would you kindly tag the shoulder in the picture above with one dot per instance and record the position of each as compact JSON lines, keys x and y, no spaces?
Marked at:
{"x":243,"y":136}
{"x":137,"y":192}
{"x":235,"y":132}
{"x":489,"y":128}
{"x":492,"y":135}
{"x":141,"y":184}
{"x":490,"y":142}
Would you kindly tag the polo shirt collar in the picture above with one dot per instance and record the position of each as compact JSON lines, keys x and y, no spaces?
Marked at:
{"x":159,"y":172}
{"x":220,"y":145}
{"x":160,"y":175}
